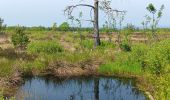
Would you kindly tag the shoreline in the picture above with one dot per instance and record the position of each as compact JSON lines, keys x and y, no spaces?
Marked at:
{"x":13,"y":85}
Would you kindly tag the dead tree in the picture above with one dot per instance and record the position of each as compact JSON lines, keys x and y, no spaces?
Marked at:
{"x":95,"y":20}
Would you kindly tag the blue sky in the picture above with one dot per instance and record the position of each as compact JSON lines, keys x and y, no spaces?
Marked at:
{"x":46,"y":12}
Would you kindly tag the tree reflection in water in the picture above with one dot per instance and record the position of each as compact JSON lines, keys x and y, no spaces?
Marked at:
{"x":79,"y":88}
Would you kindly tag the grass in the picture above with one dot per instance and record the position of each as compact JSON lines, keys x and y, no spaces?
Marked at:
{"x":124,"y":63}
{"x":120,"y":68}
{"x":6,"y":67}
{"x":44,"y":47}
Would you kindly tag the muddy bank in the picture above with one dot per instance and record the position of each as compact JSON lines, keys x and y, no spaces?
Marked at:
{"x":65,"y":69}
{"x":57,"y":69}
{"x":9,"y":85}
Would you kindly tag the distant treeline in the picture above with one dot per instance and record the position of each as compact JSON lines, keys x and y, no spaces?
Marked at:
{"x":88,"y":29}
{"x":42,"y":28}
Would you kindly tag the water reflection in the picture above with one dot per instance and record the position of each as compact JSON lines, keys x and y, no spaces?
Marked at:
{"x":94,"y":88}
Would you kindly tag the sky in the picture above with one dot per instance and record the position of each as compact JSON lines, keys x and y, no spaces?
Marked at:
{"x":47,"y":12}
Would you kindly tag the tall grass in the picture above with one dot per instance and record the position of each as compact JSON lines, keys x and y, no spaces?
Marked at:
{"x":89,"y":44}
{"x":121,"y":68}
{"x":48,"y":47}
{"x":122,"y":64}
{"x":6,"y":67}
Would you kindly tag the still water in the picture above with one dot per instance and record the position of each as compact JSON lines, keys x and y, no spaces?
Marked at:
{"x":82,"y":88}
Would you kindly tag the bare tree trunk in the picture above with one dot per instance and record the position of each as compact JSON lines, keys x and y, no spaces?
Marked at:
{"x":96,"y":88}
{"x":96,"y":23}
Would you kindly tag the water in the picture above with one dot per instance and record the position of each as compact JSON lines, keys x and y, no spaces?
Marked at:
{"x":95,"y":88}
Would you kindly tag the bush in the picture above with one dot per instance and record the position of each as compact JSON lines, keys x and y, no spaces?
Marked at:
{"x":44,"y":47}
{"x":162,"y":87}
{"x":20,"y":39}
{"x":125,"y":46}
{"x":138,"y":53}
{"x":158,"y":57}
{"x":64,"y":26}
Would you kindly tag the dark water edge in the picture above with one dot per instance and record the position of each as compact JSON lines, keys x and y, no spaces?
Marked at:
{"x":79,"y":88}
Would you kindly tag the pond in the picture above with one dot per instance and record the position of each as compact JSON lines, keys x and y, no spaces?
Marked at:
{"x":79,"y":88}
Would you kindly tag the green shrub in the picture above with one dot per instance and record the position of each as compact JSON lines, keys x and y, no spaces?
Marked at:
{"x":20,"y":39}
{"x":64,"y":26}
{"x":125,"y":46}
{"x":44,"y":47}
{"x":162,"y":87}
{"x":158,"y":57}
{"x":138,"y":53}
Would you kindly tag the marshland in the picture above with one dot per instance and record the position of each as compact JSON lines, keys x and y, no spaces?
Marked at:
{"x":97,"y":53}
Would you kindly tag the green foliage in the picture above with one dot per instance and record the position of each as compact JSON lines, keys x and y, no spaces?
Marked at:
{"x":128,"y":30}
{"x":158,"y":57}
{"x":151,"y":8}
{"x":64,"y":26}
{"x":162,"y":87}
{"x":154,"y":20}
{"x":138,"y":52}
{"x":20,"y":39}
{"x":125,"y":46}
{"x":44,"y":47}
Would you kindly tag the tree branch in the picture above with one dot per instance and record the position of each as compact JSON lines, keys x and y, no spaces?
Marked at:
{"x":68,"y":11}
{"x":82,"y":5}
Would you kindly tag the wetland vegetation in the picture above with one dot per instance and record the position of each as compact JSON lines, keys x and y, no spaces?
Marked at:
{"x":83,"y":61}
